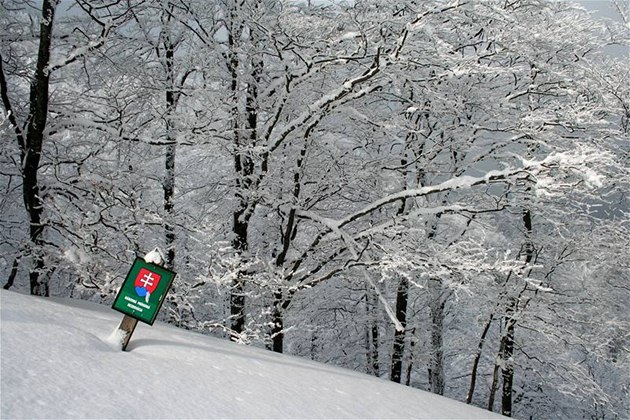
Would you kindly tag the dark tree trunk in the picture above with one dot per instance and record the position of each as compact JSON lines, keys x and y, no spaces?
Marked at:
{"x":398,"y":351}
{"x":277,"y":328}
{"x":506,"y":351}
{"x":372,"y":345}
{"x":375,"y":348}
{"x":495,"y":379}
{"x":240,"y":226}
{"x":237,"y":294}
{"x":507,"y":370}
{"x":169,"y":205}
{"x":436,"y":371}
{"x":402,"y":293}
{"x":169,"y":159}
{"x":410,"y":364}
{"x":473,"y":373}
{"x":280,"y":302}
{"x":243,"y":168}
{"x":14,"y":269}
{"x":32,"y":148}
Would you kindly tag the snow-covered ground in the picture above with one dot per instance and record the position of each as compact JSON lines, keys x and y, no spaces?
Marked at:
{"x":57,"y":362}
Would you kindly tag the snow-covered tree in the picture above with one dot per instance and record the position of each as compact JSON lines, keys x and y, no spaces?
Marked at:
{"x":433,"y":192}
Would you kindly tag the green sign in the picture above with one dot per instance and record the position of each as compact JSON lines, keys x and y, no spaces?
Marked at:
{"x":143,"y":291}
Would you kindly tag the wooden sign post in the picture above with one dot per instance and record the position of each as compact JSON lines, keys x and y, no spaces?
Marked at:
{"x":127,"y":327}
{"x":142,"y":293}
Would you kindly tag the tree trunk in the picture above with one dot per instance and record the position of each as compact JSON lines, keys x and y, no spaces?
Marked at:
{"x":14,"y":269}
{"x":473,"y":373}
{"x":237,"y":293}
{"x":243,"y":168}
{"x":32,"y":149}
{"x":495,"y":378}
{"x":398,"y":351}
{"x":372,"y":334}
{"x":436,"y":370}
{"x":375,"y":349}
{"x":169,"y":159}
{"x":169,"y":206}
{"x":402,"y":293}
{"x":277,"y":327}
{"x":410,"y":364}
{"x":507,"y":369}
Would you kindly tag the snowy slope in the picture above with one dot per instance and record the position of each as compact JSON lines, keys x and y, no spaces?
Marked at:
{"x":57,"y":363}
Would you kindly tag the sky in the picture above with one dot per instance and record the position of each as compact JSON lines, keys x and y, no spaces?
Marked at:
{"x":60,"y":359}
{"x":601,"y":8}
{"x":605,"y":9}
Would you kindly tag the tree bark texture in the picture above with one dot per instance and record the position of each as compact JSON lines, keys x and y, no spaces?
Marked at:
{"x":398,"y":351}
{"x":243,"y":168}
{"x":436,"y":369}
{"x":473,"y":372}
{"x":31,"y":150}
{"x":373,"y":345}
{"x":169,"y":158}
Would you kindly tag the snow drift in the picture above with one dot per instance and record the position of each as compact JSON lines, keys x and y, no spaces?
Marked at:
{"x":57,"y":363}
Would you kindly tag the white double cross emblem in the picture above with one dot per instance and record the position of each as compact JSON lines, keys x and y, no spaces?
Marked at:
{"x":147,"y":280}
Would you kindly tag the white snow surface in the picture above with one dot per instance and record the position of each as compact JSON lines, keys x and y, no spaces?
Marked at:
{"x":154,"y":257}
{"x":59,"y":361}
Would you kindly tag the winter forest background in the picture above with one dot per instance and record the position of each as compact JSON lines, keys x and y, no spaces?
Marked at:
{"x":427,"y":191}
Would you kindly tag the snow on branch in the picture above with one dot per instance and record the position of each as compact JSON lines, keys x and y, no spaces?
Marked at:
{"x":348,"y":86}
{"x":460,"y":182}
{"x":6,"y":102}
{"x":107,"y":23}
{"x":402,"y":39}
{"x":115,"y":133}
{"x":424,"y":211}
{"x":323,"y":103}
{"x":75,"y":54}
{"x":528,"y":170}
{"x":353,"y":248}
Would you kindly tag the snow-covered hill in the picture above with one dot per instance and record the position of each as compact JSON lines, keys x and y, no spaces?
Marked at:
{"x":57,"y":363}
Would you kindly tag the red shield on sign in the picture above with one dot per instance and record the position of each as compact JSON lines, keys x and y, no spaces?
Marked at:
{"x":147,"y":279}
